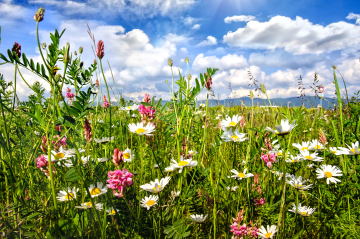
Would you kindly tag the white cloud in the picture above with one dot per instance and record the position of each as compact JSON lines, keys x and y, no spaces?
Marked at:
{"x":297,"y":36}
{"x":224,"y":63}
{"x":196,"y":26}
{"x":177,"y":39}
{"x":189,"y":21}
{"x":240,"y":18}
{"x":353,"y":16}
{"x":209,"y":42}
{"x":10,"y":12}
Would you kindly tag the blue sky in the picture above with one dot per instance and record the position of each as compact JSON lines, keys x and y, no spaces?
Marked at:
{"x":277,"y":40}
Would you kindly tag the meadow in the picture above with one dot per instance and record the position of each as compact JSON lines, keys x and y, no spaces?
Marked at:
{"x":77,"y":165}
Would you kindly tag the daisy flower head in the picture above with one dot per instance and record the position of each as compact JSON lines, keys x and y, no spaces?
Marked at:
{"x":148,"y":202}
{"x":230,"y":121}
{"x":175,"y":194}
{"x":183,"y":163}
{"x":192,"y":152}
{"x":316,"y":145}
{"x":302,"y":210}
{"x":60,"y":155}
{"x":202,"y":105}
{"x":142,"y":129}
{"x":198,"y":217}
{"x":241,"y":175}
{"x":97,"y":190}
{"x":278,"y":153}
{"x":233,"y":189}
{"x":284,"y":128}
{"x":230,"y":136}
{"x":306,"y":155}
{"x":303,"y":146}
{"x":352,"y":150}
{"x":294,"y":159}
{"x":156,"y":186}
{"x":298,"y":183}
{"x":128,"y":155}
{"x":269,"y":232}
{"x":87,"y":205}
{"x":170,"y":168}
{"x":130,"y":107}
{"x":329,"y":172}
{"x":67,"y":195}
{"x":100,"y":160}
{"x":337,"y":151}
{"x":111,"y":211}
{"x":104,"y":140}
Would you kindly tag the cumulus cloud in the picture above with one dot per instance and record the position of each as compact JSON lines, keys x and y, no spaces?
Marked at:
{"x":240,"y":18}
{"x":177,"y":39}
{"x":10,"y":12}
{"x":353,"y":16}
{"x":189,"y":21}
{"x":298,"y":36}
{"x":227,"y":62}
{"x":196,"y":26}
{"x":209,"y":42}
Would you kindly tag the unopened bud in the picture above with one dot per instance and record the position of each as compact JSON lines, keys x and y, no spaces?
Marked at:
{"x":170,"y":62}
{"x":251,"y":95}
{"x":166,"y":81}
{"x":75,"y":53}
{"x":39,"y":15}
{"x":187,"y":60}
{"x":16,"y":50}
{"x":81,"y":49}
{"x":57,"y":77}
{"x":262,"y":87}
{"x":66,"y":52}
{"x":81,"y":64}
{"x":43,"y":45}
{"x":189,"y":77}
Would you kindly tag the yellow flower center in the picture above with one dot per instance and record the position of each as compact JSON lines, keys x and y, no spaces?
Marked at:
{"x":298,"y":185}
{"x":126,"y":155}
{"x":279,"y":154}
{"x":334,"y":152}
{"x":112,"y":212}
{"x":183,"y":163}
{"x":129,"y":107}
{"x":304,"y":213}
{"x":328,"y":174}
{"x":292,"y":161}
{"x":317,"y":146}
{"x":59,"y":155}
{"x":69,"y":196}
{"x":353,"y":150}
{"x":88,"y":204}
{"x":309,"y":157}
{"x":232,"y":123}
{"x":303,"y":148}
{"x":241,"y":175}
{"x":95,"y":191}
{"x":150,"y":203}
{"x":234,"y":137}
{"x":140,"y":130}
{"x":268,"y":235}
{"x":156,"y":190}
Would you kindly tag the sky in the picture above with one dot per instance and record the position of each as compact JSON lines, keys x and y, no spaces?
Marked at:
{"x":276,"y":40}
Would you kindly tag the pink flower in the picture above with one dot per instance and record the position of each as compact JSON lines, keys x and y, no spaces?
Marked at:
{"x":70,"y":95}
{"x":16,"y":49}
{"x":106,"y":104}
{"x":147,"y":113}
{"x":100,"y":50}
{"x":39,"y":15}
{"x":208,"y":82}
{"x":269,"y":164}
{"x":43,"y":164}
{"x":146,"y":98}
{"x":259,"y":202}
{"x":68,"y":90}
{"x":119,"y":180}
{"x":118,"y":157}
{"x":242,"y":122}
{"x":97,"y":83}
{"x":87,"y":130}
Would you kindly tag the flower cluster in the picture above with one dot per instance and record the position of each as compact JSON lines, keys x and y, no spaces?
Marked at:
{"x":118,"y":157}
{"x":87,"y":130}
{"x":268,"y":158}
{"x":106,"y":103}
{"x":43,"y":164}
{"x":119,"y":180}
{"x":242,"y":230}
{"x":70,"y":95}
{"x":60,"y":142}
{"x":100,"y":49}
{"x":147,"y":113}
{"x":259,"y":202}
{"x":39,"y":15}
{"x":16,"y":50}
{"x":146,"y":98}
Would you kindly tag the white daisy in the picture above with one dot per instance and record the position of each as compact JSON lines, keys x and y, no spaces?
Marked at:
{"x":156,"y":186}
{"x":198,"y":218}
{"x":284,"y":128}
{"x":269,"y":232}
{"x":329,"y":172}
{"x":316,"y":145}
{"x":170,"y":168}
{"x":141,"y":129}
{"x":100,"y":160}
{"x":294,"y":159}
{"x":298,"y":183}
{"x":337,"y":151}
{"x":86,"y":205}
{"x":230,"y":121}
{"x":128,"y":155}
{"x":70,"y":194}
{"x":111,"y":211}
{"x":72,"y":152}
{"x":97,"y":190}
{"x":240,"y":175}
{"x":306,"y":155}
{"x":310,"y":165}
{"x":192,"y":152}
{"x":104,"y":140}
{"x":202,"y":105}
{"x":149,"y":201}
{"x":183,"y":163}
{"x":353,"y":150}
{"x":233,"y":189}
{"x":229,"y":136}
{"x":175,"y":194}
{"x":60,"y":155}
{"x":278,"y":153}
{"x":84,"y":161}
{"x":303,"y":146}
{"x":130,"y":107}
{"x":302,"y":210}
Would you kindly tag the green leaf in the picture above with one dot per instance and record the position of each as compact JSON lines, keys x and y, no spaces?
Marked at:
{"x":78,"y":106}
{"x":38,"y":67}
{"x":43,"y":70}
{"x":32,"y":65}
{"x":145,"y":104}
{"x":3,"y":57}
{"x":72,"y":175}
{"x":10,"y":56}
{"x":25,"y":61}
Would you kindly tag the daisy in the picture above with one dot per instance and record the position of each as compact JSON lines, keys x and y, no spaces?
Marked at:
{"x":183,"y":163}
{"x":269,"y":232}
{"x":284,"y":128}
{"x":72,"y":152}
{"x":156,"y":186}
{"x":175,"y":194}
{"x":228,"y":136}
{"x":198,"y":218}
{"x":130,"y":107}
{"x":170,"y":168}
{"x":278,"y":153}
{"x":104,"y":140}
{"x":61,"y":155}
{"x":86,"y":205}
{"x":353,"y":150}
{"x":310,"y":165}
{"x":306,"y":155}
{"x":298,"y":183}
{"x":111,"y":211}
{"x":302,"y":210}
{"x":70,"y":194}
{"x":142,"y":129}
{"x":233,"y":189}
{"x":329,"y":172}
{"x":100,"y":160}
{"x":337,"y":151}
{"x":294,"y":159}
{"x":202,"y":105}
{"x":303,"y":146}
{"x":316,"y":145}
{"x":149,"y":201}
{"x":97,"y":190}
{"x":229,"y":122}
{"x":192,"y":152}
{"x":84,"y":161}
{"x":128,"y":155}
{"x":240,"y":175}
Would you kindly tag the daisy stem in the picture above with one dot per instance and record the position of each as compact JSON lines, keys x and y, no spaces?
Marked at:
{"x":203,"y":142}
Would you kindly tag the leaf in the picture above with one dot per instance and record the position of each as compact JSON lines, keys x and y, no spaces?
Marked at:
{"x":38,"y":67}
{"x":145,"y":104}
{"x":25,"y":60}
{"x":43,"y":70}
{"x":10,"y":56}
{"x":78,"y":106}
{"x":3,"y":57}
{"x":72,"y":175}
{"x":32,"y":65}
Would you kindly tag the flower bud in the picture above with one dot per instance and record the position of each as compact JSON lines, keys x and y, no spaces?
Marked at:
{"x":55,"y":69}
{"x":189,"y":77}
{"x":57,"y":77}
{"x":43,"y":45}
{"x":81,"y":64}
{"x":170,"y":62}
{"x":187,"y":60}
{"x":166,"y":81}
{"x":262,"y":87}
{"x":100,"y":50}
{"x":39,"y":15}
{"x":208,"y":82}
{"x":66,"y":52}
{"x":16,"y":49}
{"x":75,"y":53}
{"x":81,"y":49}
{"x":251,"y":95}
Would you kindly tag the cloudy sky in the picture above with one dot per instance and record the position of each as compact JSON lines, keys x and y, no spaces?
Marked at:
{"x":278,"y":40}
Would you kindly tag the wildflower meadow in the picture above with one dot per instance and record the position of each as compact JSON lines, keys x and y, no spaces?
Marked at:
{"x":79,"y":165}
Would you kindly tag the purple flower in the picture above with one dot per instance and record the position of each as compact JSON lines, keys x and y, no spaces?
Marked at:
{"x":39,"y":15}
{"x":16,"y":49}
{"x":100,"y":49}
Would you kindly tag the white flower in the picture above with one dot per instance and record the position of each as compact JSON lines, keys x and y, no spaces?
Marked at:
{"x":311,"y":165}
{"x":128,"y":155}
{"x":156,"y":186}
{"x":142,"y":129}
{"x":229,"y":122}
{"x":198,"y":112}
{"x":170,"y":168}
{"x":183,"y":163}
{"x":329,"y":172}
{"x":70,"y":194}
{"x":267,"y":233}
{"x":284,"y":128}
{"x":97,"y":190}
{"x":202,"y":105}
{"x":130,"y":107}
{"x":61,"y":155}
{"x":198,"y":218}
{"x":111,"y":211}
{"x":104,"y":140}
{"x":298,"y":183}
{"x":316,"y":145}
{"x":233,"y":189}
{"x":353,"y":150}
{"x":337,"y":151}
{"x":72,"y":152}
{"x":175,"y":194}
{"x":278,"y":153}
{"x":228,"y":136}
{"x":84,"y":160}
{"x":100,"y":160}
{"x":302,"y":210}
{"x":303,"y":146}
{"x":240,"y":175}
{"x":192,"y":152}
{"x":37,"y":133}
{"x":149,"y":201}
{"x":86,"y":205}
{"x":294,"y":159}
{"x":308,"y":156}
